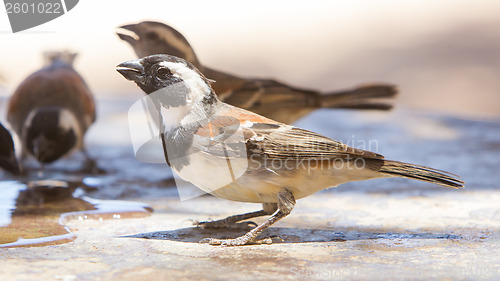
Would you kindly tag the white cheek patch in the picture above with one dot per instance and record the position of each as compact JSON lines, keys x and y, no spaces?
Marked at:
{"x":198,"y":86}
{"x":66,"y":119}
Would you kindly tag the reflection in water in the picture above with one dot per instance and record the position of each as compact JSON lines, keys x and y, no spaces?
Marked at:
{"x":35,"y":214}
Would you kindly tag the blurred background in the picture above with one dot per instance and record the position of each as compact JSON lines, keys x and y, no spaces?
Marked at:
{"x":444,"y":56}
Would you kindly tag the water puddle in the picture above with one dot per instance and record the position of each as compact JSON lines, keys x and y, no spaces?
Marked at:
{"x":35,"y":214}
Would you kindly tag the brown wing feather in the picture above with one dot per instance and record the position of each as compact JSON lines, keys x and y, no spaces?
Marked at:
{"x":277,"y":140}
{"x":293,"y":142}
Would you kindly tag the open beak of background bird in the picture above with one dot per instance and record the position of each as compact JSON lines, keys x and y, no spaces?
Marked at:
{"x":132,"y":70}
{"x":128,"y":33}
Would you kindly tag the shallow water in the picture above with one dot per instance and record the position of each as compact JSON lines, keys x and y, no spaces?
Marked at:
{"x":35,"y":214}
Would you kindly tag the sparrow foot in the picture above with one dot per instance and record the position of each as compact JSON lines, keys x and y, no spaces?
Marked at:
{"x":240,"y":241}
{"x":286,"y":201}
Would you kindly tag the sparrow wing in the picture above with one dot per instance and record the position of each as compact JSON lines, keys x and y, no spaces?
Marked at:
{"x":256,"y":92}
{"x":228,"y":137}
{"x":283,"y":141}
{"x":267,"y":137}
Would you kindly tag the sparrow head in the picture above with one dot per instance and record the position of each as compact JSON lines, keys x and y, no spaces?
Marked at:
{"x":8,"y":159}
{"x":150,"y":38}
{"x":184,"y":83}
{"x":59,"y":57}
{"x":51,"y":133}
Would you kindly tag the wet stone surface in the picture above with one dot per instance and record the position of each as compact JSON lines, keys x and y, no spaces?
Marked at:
{"x":374,"y":230}
{"x":36,"y":214}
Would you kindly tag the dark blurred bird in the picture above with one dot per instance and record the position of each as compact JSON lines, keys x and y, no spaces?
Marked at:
{"x":267,"y":97}
{"x":238,"y":155}
{"x":8,"y":160}
{"x":52,"y":109}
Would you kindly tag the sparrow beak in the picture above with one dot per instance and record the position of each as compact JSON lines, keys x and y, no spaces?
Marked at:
{"x":128,"y":33}
{"x":132,"y":70}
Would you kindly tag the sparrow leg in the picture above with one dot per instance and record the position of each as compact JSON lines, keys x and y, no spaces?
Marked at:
{"x":232,"y":221}
{"x":286,"y":202}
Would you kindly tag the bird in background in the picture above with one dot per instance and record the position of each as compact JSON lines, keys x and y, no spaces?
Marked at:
{"x":52,"y":109}
{"x":8,"y":160}
{"x":266,"y":97}
{"x":271,"y":163}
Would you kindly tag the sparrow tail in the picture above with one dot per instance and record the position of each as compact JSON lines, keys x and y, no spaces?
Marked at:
{"x":364,"y":97}
{"x":422,"y":173}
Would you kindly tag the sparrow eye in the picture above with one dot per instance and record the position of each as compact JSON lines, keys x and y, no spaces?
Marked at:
{"x":164,"y":72}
